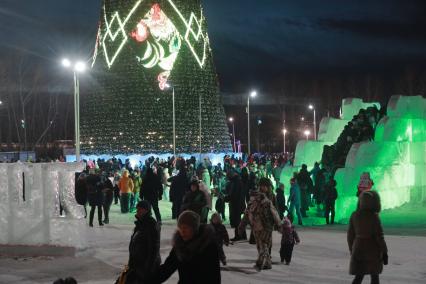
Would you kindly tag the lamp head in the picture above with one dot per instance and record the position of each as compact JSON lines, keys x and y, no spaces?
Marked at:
{"x":311,"y":107}
{"x":307,"y":132}
{"x":253,"y":94}
{"x":66,"y":63}
{"x":231,"y":119}
{"x":80,"y":66}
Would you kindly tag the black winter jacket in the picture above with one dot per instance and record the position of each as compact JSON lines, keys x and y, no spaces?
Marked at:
{"x":197,"y":260}
{"x":144,"y":250}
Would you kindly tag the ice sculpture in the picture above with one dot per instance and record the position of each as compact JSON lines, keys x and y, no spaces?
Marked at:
{"x":30,"y":195}
{"x":396,"y":159}
{"x":309,"y":152}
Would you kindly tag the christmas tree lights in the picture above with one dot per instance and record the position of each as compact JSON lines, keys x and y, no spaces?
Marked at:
{"x":142,"y":46}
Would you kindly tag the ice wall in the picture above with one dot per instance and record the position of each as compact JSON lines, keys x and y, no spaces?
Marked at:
{"x":215,"y":158}
{"x":396,"y":159}
{"x":30,"y":195}
{"x":352,"y":106}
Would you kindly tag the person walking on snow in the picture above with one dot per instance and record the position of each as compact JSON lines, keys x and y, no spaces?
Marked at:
{"x":365,"y":239}
{"x":262,"y":216}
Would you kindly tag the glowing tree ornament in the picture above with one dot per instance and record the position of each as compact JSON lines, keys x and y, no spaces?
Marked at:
{"x":141,"y":46}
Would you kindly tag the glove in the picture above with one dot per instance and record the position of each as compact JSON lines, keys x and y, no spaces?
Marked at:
{"x":385,"y":258}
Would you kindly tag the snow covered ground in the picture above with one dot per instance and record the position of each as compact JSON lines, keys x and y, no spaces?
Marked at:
{"x":322,"y":257}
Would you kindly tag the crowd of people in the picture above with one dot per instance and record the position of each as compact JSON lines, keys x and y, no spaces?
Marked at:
{"x":361,"y":128}
{"x":251,"y":187}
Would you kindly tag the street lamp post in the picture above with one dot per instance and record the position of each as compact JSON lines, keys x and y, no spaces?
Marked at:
{"x":311,"y":107}
{"x":284,"y":133}
{"x":231,"y":119}
{"x":77,"y":67}
{"x":252,"y":94}
{"x":307,"y":133}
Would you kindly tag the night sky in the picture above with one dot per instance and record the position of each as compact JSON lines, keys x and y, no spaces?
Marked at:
{"x":254,"y":42}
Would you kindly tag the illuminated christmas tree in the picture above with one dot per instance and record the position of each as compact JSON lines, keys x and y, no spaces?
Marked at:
{"x":142,"y":47}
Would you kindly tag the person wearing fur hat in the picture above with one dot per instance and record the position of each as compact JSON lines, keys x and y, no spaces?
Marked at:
{"x":195,"y":200}
{"x":221,"y":235}
{"x":144,"y":248}
{"x":194,"y":254}
{"x":262,"y":216}
{"x":289,"y":237}
{"x":365,"y":239}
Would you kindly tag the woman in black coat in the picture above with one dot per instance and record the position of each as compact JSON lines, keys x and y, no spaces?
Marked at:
{"x":151,"y":190}
{"x":95,"y":197}
{"x":81,"y":191}
{"x":194,"y":254}
{"x":237,"y":205}
{"x":144,"y":247}
{"x":178,"y":188}
{"x":195,"y":199}
{"x":108,"y":196}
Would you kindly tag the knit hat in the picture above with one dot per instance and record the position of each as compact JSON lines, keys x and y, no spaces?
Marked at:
{"x":189,"y":218}
{"x":286,"y":224}
{"x":144,"y":205}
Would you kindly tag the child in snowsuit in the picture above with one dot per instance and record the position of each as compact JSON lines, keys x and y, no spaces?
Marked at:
{"x":221,"y":235}
{"x":288,"y":239}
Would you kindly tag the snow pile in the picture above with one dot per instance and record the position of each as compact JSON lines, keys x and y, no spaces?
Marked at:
{"x":30,"y":195}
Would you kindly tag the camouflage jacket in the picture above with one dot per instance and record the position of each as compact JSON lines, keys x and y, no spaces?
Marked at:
{"x":260,"y":213}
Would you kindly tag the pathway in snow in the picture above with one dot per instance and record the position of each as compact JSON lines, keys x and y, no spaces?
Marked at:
{"x":322,"y":257}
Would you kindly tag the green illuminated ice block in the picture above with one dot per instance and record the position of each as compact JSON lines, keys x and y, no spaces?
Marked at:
{"x":396,"y":160}
{"x":309,"y":152}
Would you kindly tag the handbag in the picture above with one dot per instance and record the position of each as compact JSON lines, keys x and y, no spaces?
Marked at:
{"x":122,"y":279}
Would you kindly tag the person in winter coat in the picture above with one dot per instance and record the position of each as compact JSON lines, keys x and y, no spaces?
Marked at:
{"x":126,"y":187}
{"x":166,"y":184}
{"x":205,"y":177}
{"x":94,"y":196}
{"x":319,"y":188}
{"x":235,"y":196}
{"x":281,"y":205}
{"x":245,"y":179}
{"x":220,"y":193}
{"x":306,"y":187}
{"x":262,"y":216}
{"x":330,"y":196}
{"x":151,"y":191}
{"x":134,"y":197}
{"x":289,"y":237}
{"x":195,"y":200}
{"x":108,"y":192}
{"x":81,"y":191}
{"x":221,"y":235}
{"x":294,"y":200}
{"x":365,"y":239}
{"x":117,"y":178}
{"x":194,"y":254}
{"x":144,"y":248}
{"x":178,"y":188}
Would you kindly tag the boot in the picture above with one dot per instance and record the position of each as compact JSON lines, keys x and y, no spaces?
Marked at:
{"x":235,"y":238}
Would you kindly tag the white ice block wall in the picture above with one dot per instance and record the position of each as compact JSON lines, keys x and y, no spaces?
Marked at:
{"x":352,"y":106}
{"x":34,"y":220}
